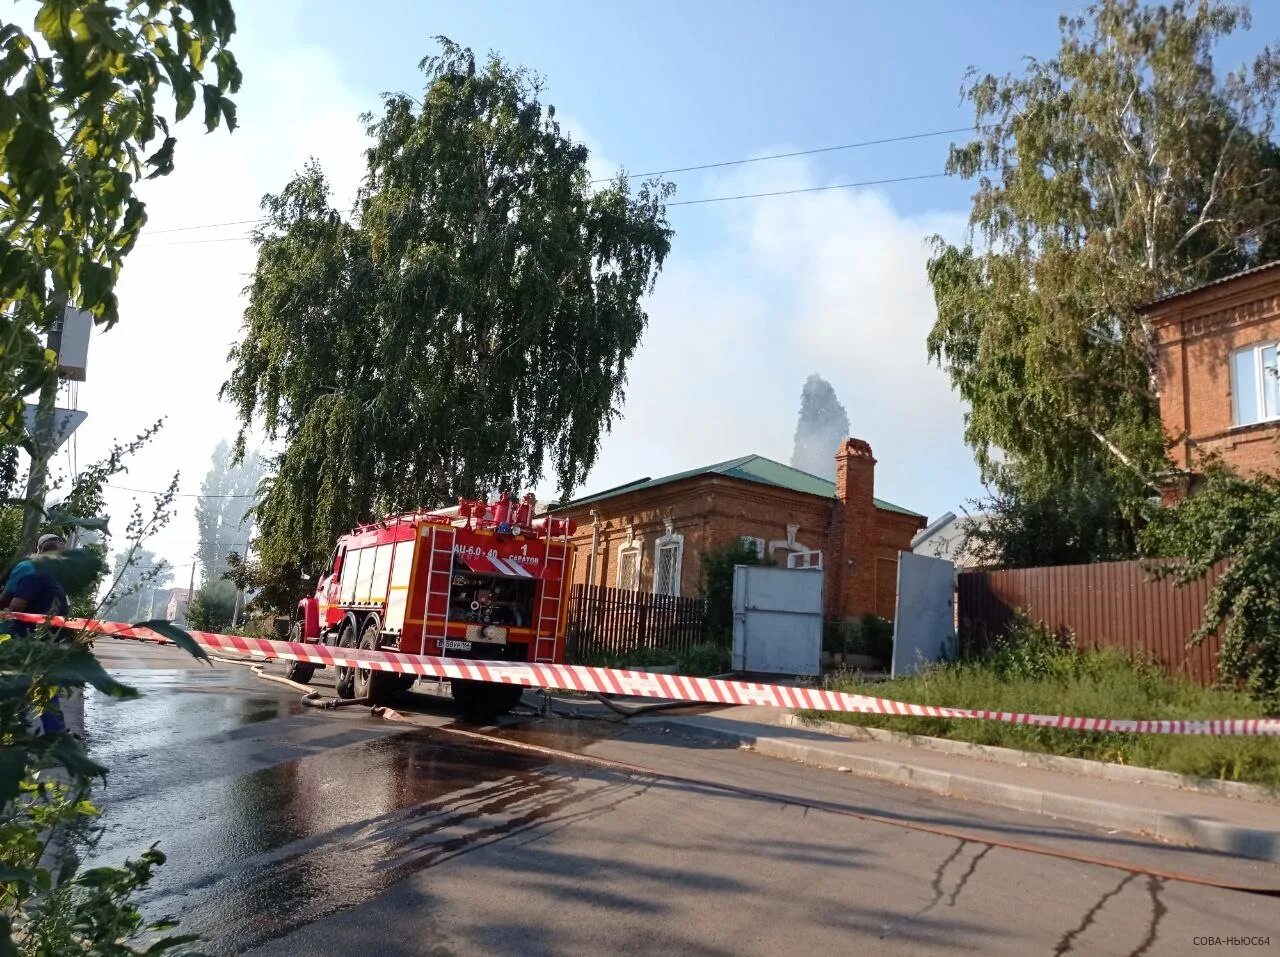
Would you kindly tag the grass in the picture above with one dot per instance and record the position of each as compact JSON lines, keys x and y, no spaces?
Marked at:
{"x":701,"y":660}
{"x":1034,"y":672}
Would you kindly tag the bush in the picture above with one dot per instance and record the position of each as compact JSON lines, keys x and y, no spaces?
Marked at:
{"x":875,"y":638}
{"x":717,"y":584}
{"x":1234,"y":521}
{"x":704,"y":659}
{"x":701,"y":660}
{"x":869,"y":635}
{"x":213,"y":606}
{"x":1028,"y":649}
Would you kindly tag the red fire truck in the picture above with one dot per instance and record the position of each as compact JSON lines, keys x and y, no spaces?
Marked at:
{"x":485,"y":581}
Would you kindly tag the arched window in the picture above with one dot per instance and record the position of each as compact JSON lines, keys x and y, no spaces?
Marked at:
{"x":668,"y":558}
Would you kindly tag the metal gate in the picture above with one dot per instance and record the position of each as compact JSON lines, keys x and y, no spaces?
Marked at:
{"x":925,"y":624}
{"x":777,"y":620}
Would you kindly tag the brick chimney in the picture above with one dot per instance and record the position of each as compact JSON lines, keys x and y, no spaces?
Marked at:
{"x":855,"y":489}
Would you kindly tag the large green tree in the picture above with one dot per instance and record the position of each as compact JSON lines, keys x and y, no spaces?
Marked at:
{"x":83,"y":118}
{"x":86,"y":100}
{"x":1126,"y":166}
{"x":471,"y":323}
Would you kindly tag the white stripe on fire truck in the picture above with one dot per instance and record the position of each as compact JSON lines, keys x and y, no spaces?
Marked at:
{"x":500,"y":565}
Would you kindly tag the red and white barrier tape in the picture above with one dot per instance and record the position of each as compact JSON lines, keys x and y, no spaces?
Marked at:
{"x":649,"y":684}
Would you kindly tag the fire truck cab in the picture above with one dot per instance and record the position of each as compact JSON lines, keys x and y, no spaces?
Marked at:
{"x":484,"y":581}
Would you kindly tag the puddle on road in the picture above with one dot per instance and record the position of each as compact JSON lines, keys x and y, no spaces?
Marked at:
{"x":293,"y":843}
{"x":177,"y":705}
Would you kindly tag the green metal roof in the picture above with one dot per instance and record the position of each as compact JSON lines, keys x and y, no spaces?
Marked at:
{"x":751,"y":468}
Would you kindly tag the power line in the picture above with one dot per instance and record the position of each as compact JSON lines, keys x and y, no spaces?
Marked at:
{"x":183,"y":229}
{"x":151,"y":491}
{"x":661,"y":172}
{"x":682,"y":202}
{"x":808,"y":189}
{"x":776,"y":156}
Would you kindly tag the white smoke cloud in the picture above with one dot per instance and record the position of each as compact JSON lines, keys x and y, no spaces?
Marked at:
{"x":832,"y":282}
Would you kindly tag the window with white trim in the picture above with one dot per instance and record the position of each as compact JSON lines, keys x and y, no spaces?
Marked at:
{"x":1255,"y":384}
{"x":629,"y":567}
{"x":668,"y":557}
{"x":753,"y":543}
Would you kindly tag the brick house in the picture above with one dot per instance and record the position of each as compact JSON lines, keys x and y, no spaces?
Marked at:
{"x":650,"y":534}
{"x":1216,"y":361}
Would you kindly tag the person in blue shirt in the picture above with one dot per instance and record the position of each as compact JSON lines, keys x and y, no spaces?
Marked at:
{"x":47,"y":543}
{"x":31,"y":589}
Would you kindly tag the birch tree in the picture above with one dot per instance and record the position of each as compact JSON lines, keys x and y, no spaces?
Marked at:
{"x":1127,"y":166}
{"x":469,"y":327}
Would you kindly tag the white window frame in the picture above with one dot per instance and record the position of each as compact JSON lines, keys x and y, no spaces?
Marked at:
{"x":757,"y":544}
{"x":807,"y":559}
{"x":629,"y":548}
{"x":1259,"y":385}
{"x":671,"y":540}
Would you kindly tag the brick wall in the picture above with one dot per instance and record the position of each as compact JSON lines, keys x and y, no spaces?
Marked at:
{"x":1195,"y":335}
{"x":859,"y":542}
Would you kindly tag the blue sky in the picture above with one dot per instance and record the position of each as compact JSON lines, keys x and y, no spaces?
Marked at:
{"x":756,"y":295}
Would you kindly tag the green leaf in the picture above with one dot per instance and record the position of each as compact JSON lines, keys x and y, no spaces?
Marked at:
{"x":77,"y":665}
{"x":17,"y":875}
{"x":96,"y":281}
{"x":177,"y":635}
{"x":212,"y":107}
{"x":161,"y":160}
{"x":13,"y":768}
{"x":101,"y":876}
{"x":229,"y":113}
{"x":72,"y":521}
{"x":70,"y":753}
{"x":168,"y":943}
{"x":76,"y":568}
{"x":7,"y":947}
{"x":49,"y":21}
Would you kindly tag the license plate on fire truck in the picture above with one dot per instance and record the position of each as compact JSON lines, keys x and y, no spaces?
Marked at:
{"x":489,"y":633}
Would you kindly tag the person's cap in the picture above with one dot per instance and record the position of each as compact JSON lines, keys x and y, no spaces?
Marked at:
{"x":47,"y":540}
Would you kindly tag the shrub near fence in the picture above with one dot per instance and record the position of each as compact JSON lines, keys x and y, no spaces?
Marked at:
{"x":618,"y":621}
{"x":1104,"y":605}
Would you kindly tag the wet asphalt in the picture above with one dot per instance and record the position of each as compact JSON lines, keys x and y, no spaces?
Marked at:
{"x":292,"y":831}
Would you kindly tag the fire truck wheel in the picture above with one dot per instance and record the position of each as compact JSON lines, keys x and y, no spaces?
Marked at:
{"x":344,"y":683}
{"x":371,"y":684}
{"x":505,"y":697}
{"x":467,"y":694}
{"x":483,"y":700}
{"x":298,"y":671}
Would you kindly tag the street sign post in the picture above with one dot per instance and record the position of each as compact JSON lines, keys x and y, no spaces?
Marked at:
{"x":57,"y":429}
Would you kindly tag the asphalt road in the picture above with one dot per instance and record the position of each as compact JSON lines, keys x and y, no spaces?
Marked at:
{"x":292,"y":831}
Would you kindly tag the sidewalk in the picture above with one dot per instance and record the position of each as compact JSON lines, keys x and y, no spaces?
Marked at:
{"x":1232,"y":825}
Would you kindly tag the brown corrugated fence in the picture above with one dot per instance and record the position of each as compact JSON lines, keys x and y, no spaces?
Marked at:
{"x":1108,"y":604}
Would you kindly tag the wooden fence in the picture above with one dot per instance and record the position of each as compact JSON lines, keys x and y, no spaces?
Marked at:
{"x":1108,"y":604}
{"x":617,"y":621}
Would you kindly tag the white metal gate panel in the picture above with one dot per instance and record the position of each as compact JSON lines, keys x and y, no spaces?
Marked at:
{"x":924,"y":626}
{"x":777,"y":620}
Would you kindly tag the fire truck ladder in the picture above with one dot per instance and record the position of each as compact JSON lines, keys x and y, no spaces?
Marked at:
{"x":548,"y":621}
{"x":440,"y":575}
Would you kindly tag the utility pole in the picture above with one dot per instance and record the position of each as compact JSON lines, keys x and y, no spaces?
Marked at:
{"x":244,"y":557}
{"x":191,"y":591}
{"x":43,"y":444}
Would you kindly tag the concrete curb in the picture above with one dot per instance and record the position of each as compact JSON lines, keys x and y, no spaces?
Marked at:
{"x":1032,"y":759}
{"x":1208,"y":833}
